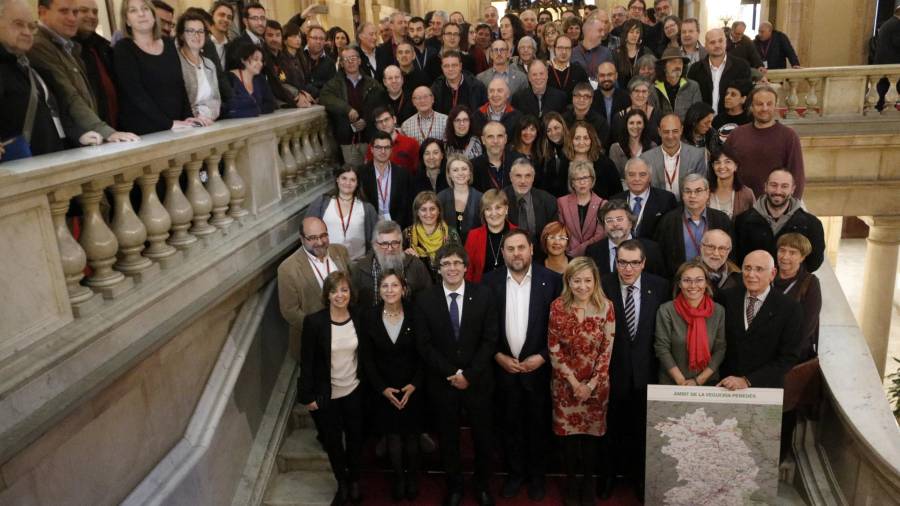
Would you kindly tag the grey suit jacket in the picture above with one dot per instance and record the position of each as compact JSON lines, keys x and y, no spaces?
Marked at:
{"x":671,"y":343}
{"x":208,"y":107}
{"x":693,"y":160}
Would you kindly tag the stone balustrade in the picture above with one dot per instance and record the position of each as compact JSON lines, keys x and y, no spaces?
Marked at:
{"x":811,"y":94}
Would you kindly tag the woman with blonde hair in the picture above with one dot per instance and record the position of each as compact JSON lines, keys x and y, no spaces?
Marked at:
{"x":429,"y":231}
{"x":580,"y":341}
{"x":460,"y":201}
{"x":579,"y":209}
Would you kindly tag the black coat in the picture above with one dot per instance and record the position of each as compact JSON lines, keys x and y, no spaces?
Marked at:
{"x":633,"y":364}
{"x":670,"y":235}
{"x":472,"y":93}
{"x":553,"y":174}
{"x":565,"y":80}
{"x":225,"y":90}
{"x":601,"y":126}
{"x":752,"y":232}
{"x":736,"y":69}
{"x":526,"y":102}
{"x":443,"y":354}
{"x":401,"y":192}
{"x":482,"y":178}
{"x":317,"y":73}
{"x":620,"y":101}
{"x":887,"y":45}
{"x":766,"y":351}
{"x":335,"y":97}
{"x":314,"y":383}
{"x":96,"y":52}
{"x":509,"y":120}
{"x":545,"y":210}
{"x":659,"y":202}
{"x":384,"y":56}
{"x":607,"y":182}
{"x":546,"y":286}
{"x":776,"y":51}
{"x":15,"y":90}
{"x":654,"y":264}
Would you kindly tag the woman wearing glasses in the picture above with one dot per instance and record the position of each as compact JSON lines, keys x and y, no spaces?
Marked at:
{"x":554,"y":241}
{"x":690,"y":330}
{"x":578,"y":210}
{"x":199,"y":72}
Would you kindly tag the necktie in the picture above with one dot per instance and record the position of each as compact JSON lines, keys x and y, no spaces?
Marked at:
{"x":751,"y":310}
{"x":612,"y":259}
{"x":540,"y":105}
{"x":523,"y":215}
{"x":636,"y":208}
{"x":454,"y":314}
{"x":630,"y":320}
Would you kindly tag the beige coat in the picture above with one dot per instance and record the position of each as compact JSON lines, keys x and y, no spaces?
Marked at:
{"x":299,"y":293}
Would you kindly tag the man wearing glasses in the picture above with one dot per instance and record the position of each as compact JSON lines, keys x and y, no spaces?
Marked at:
{"x":405,"y":149}
{"x":679,"y":232}
{"x":515,"y":78}
{"x":387,"y":185}
{"x":387,"y":253}
{"x":582,"y":97}
{"x":618,"y":222}
{"x":456,"y":85}
{"x":301,"y":275}
{"x":715,"y":246}
{"x":636,"y":296}
{"x":451,"y":39}
{"x":562,"y":74}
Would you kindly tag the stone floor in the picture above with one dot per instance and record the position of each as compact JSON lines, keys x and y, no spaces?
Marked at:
{"x":849,"y":271}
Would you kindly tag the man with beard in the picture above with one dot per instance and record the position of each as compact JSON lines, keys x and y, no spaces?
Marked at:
{"x":618,"y":222}
{"x":674,"y":92}
{"x":608,"y":99}
{"x":413,"y":77}
{"x":416,"y":33}
{"x":301,"y":275}
{"x":715,"y":246}
{"x":524,"y":291}
{"x":96,"y":53}
{"x":774,"y":214}
{"x":387,"y":253}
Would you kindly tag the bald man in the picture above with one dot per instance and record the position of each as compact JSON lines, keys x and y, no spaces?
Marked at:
{"x":537,"y":98}
{"x":498,"y":107}
{"x":717,"y":70}
{"x":762,"y":328}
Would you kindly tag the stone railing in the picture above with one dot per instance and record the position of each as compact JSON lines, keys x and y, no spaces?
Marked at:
{"x":103,"y":239}
{"x":835,"y":92}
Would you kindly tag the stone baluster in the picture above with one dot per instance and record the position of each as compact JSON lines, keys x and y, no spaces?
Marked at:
{"x":71,"y":254}
{"x":331,"y":147}
{"x":292,"y":169}
{"x":318,"y":147}
{"x":129,"y":229}
{"x":156,"y":220}
{"x":891,"y":98}
{"x":302,"y":162}
{"x":289,"y":176}
{"x":218,"y":191}
{"x":99,"y":243}
{"x":871,"y":97}
{"x":179,"y":208}
{"x":791,"y":99}
{"x":312,"y":160}
{"x":812,"y":98}
{"x":199,"y":198}
{"x":235,"y":183}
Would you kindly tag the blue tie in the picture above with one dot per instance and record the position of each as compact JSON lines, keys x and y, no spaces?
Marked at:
{"x":454,"y":314}
{"x":636,"y":208}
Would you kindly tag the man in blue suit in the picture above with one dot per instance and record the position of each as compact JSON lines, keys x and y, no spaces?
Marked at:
{"x":636,"y":296}
{"x":523,"y":292}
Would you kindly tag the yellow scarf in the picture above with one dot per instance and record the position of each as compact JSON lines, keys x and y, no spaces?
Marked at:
{"x":425,"y":244}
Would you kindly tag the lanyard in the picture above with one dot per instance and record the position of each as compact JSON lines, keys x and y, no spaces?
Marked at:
{"x":345,"y":226}
{"x":765,"y":53}
{"x":562,"y":85}
{"x":671,"y":180}
{"x":419,"y":125}
{"x":690,"y":232}
{"x":383,"y":191}
{"x":454,"y":98}
{"x":424,"y":59}
{"x":497,"y":184}
{"x":312,"y":261}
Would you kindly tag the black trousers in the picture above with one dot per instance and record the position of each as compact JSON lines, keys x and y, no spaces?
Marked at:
{"x":340,"y":421}
{"x":627,"y":433}
{"x":525,"y":429}
{"x":449,"y":404}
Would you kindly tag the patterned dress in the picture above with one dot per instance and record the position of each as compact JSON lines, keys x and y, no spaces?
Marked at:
{"x":583,"y":349}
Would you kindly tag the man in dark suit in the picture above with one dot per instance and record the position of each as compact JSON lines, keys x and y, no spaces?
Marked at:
{"x":709,"y":69}
{"x":388,"y":184}
{"x":523,"y":291}
{"x":537,"y":98}
{"x":581,"y":110}
{"x":608,"y":100}
{"x":633,"y":364}
{"x":617,"y":220}
{"x":456,"y":332}
{"x":646,"y":203}
{"x":762,"y":328}
{"x":318,"y":67}
{"x":530,"y":208}
{"x":385,"y":53}
{"x":492,"y":166}
{"x":681,"y":229}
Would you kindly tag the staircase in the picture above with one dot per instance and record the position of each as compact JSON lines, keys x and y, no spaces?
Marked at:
{"x":304,"y":476}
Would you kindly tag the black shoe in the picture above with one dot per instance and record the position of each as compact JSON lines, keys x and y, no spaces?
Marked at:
{"x":607,"y":485}
{"x":536,"y":490}
{"x":341,"y":496}
{"x":485,"y":499}
{"x":355,"y":494}
{"x":453,"y":498}
{"x":588,"y":494}
{"x":511,"y":486}
{"x":571,"y":493}
{"x":412,"y":486}
{"x":398,"y":487}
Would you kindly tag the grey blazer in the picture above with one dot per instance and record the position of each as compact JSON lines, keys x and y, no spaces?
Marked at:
{"x":693,"y":160}
{"x":211,"y":106}
{"x":370,"y":217}
{"x":688,"y":94}
{"x":671,"y":343}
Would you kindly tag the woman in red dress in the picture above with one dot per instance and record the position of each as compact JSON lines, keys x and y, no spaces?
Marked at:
{"x":580,"y":338}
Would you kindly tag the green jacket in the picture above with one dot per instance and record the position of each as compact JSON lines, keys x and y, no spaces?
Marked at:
{"x":688,"y":94}
{"x":65,"y":74}
{"x":334,"y":98}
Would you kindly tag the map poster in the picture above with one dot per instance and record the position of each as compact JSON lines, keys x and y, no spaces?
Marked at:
{"x":709,"y":445}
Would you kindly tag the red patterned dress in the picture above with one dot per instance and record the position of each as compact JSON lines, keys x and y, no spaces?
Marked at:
{"x":582,"y":348}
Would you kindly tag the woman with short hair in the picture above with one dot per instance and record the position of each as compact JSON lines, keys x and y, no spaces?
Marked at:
{"x":640,"y":90}
{"x":554,"y":241}
{"x":252,"y":94}
{"x":429,"y":232}
{"x":579,"y":209}
{"x":199,"y":72}
{"x":803,"y":286}
{"x":484,"y":243}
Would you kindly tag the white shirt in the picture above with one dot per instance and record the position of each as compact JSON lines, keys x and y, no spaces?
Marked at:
{"x":716,"y":78}
{"x":459,"y":299}
{"x":355,"y":237}
{"x":644,"y":197}
{"x":204,"y":91}
{"x":518,"y":300}
{"x":344,"y":360}
{"x":254,"y":38}
{"x":635,"y":296}
{"x":321,"y":269}
{"x":672,"y":165}
{"x":760,"y":299}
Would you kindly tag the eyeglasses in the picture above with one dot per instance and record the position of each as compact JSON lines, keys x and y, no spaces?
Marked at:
{"x":563,"y":48}
{"x":625,"y":264}
{"x":693,"y":281}
{"x":389,"y":244}
{"x":452,"y":263}
{"x":257,"y":18}
{"x":583,"y":96}
{"x":582,"y":179}
{"x":614,"y":219}
{"x":191,"y":31}
{"x":557,"y":238}
{"x":698,"y":191}
{"x":499,"y":49}
{"x":349,"y":59}
{"x":720,"y":249}
{"x":22,"y":26}
{"x":381,"y":148}
{"x":314,"y":238}
{"x":451,"y":34}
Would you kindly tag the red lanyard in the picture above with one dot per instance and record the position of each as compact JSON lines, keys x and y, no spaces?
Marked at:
{"x":383,"y":191}
{"x":671,"y":181}
{"x":454,"y":97}
{"x":430,"y":126}
{"x":312,"y":262}
{"x":345,"y":226}
{"x":399,"y":105}
{"x":562,"y":85}
{"x":497,"y":184}
{"x":691,"y":233}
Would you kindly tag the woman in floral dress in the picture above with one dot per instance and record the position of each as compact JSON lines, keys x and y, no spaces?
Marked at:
{"x":580,"y":337}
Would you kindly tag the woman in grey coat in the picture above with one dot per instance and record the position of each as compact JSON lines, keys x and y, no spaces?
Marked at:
{"x":200,"y":80}
{"x":690,"y":330}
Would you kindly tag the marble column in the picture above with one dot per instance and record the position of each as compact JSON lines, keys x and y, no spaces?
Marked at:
{"x":879,"y":277}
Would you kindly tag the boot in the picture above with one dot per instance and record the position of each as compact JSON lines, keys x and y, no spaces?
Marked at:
{"x":587,"y":491}
{"x":570,"y":495}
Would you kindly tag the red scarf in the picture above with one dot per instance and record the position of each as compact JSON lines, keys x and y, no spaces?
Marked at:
{"x":697,"y":339}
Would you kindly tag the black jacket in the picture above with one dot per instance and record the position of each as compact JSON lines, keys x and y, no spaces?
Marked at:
{"x":736,"y":69}
{"x":387,"y":363}
{"x":472,"y":93}
{"x":546,"y":286}
{"x":317,"y":73}
{"x":96,"y":52}
{"x":314,"y":383}
{"x":670,"y":235}
{"x":509,"y":119}
{"x":545,"y":210}
{"x":384,"y":56}
{"x":633,"y":364}
{"x":565,"y":80}
{"x":658,"y":204}
{"x":334,"y":97}
{"x":776,"y":50}
{"x":599,"y":251}
{"x":401,"y":192}
{"x":485,"y":178}
{"x":766,"y":351}
{"x":752,"y":232}
{"x":15,"y":90}
{"x":887,"y":45}
{"x":620,"y":101}
{"x":600,"y":124}
{"x":526,"y":102}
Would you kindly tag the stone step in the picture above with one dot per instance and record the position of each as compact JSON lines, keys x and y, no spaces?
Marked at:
{"x":301,"y":488}
{"x":301,"y":451}
{"x":300,"y":418}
